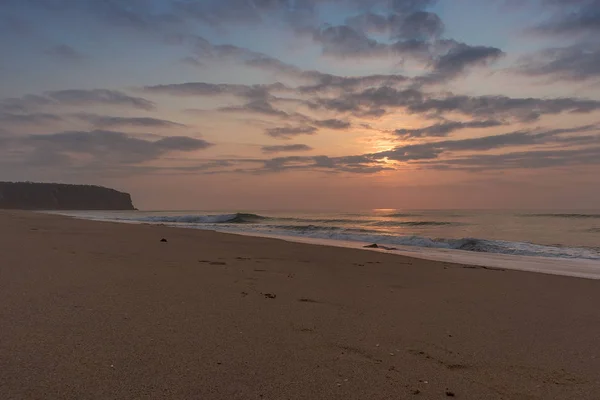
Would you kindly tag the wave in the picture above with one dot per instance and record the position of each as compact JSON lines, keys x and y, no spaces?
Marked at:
{"x":564,"y":215}
{"x":401,"y":215}
{"x":317,"y":228}
{"x":325,"y":220}
{"x":414,"y":223}
{"x":464,"y":244}
{"x":237,"y":218}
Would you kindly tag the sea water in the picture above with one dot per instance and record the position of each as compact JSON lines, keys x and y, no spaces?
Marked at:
{"x":558,"y":242}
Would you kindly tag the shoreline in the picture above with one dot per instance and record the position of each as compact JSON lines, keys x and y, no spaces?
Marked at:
{"x":107,"y":310}
{"x":573,"y":267}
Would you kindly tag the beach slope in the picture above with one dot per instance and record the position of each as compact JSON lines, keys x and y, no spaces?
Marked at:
{"x":94,"y":310}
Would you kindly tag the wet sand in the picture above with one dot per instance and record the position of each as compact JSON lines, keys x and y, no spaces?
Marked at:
{"x":93,"y":310}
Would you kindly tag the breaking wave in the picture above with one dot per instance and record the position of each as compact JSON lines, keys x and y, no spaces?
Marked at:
{"x":571,"y":216}
{"x":238,"y":218}
{"x":414,"y":223}
{"x":465,"y":244}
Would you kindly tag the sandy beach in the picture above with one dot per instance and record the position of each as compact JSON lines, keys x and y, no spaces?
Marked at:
{"x":95,"y":310}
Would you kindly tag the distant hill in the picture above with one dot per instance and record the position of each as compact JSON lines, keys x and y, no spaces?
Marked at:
{"x":57,"y":196}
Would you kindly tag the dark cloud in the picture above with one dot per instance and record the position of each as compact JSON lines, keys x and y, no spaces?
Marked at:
{"x":522,"y":109}
{"x":211,"y":89}
{"x":459,"y":57}
{"x":181,"y":143}
{"x":432,"y":150}
{"x":333,"y":124}
{"x":328,"y":82}
{"x":28,"y":103}
{"x":66,"y":53}
{"x":298,"y":14}
{"x":578,"y":19}
{"x":288,"y":132}
{"x":286,"y":148}
{"x":75,"y":97}
{"x":315,"y":81}
{"x":371,"y":100}
{"x":107,"y":146}
{"x":257,"y":107}
{"x":533,"y":159}
{"x":572,"y":17}
{"x":345,"y":42}
{"x":28,"y":119}
{"x":106,"y":121}
{"x":573,"y":63}
{"x":25,"y":103}
{"x":443,"y":129}
{"x":418,"y":25}
{"x":271,"y":64}
{"x":352,"y":164}
{"x":414,"y":101}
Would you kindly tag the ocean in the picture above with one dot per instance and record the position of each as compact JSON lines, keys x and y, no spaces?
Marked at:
{"x":546,"y":234}
{"x":568,"y":237}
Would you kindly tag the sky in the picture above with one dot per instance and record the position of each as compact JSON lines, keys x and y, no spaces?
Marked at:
{"x":306,"y":104}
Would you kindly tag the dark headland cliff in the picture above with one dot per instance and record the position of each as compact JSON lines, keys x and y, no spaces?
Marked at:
{"x":58,"y":196}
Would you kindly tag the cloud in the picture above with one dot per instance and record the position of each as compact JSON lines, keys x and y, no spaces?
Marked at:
{"x":328,"y":82}
{"x":344,"y":42}
{"x":297,"y":14}
{"x":257,"y":107}
{"x":106,"y":121}
{"x":286,"y":148}
{"x":534,"y":159}
{"x":288,"y":132}
{"x":104,"y":147}
{"x":418,"y":25}
{"x":433,"y":150}
{"x":377,"y":100}
{"x":25,"y":103}
{"x":460,"y":57}
{"x":182,"y":143}
{"x":572,"y":17}
{"x":443,"y":129}
{"x":65,"y":52}
{"x":28,"y":103}
{"x":28,"y":119}
{"x":352,"y":164}
{"x":211,"y":89}
{"x":74,"y":97}
{"x":98,"y":96}
{"x":577,"y":62}
{"x":522,"y":109}
{"x":332,"y":124}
